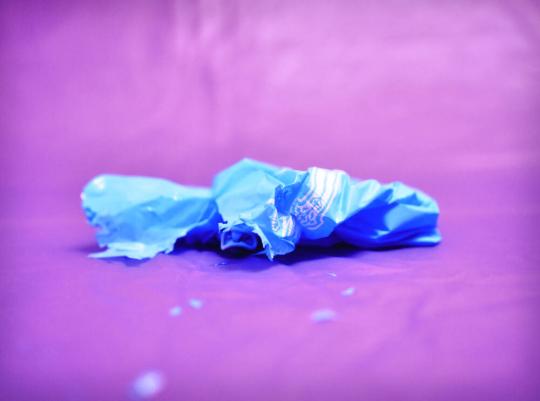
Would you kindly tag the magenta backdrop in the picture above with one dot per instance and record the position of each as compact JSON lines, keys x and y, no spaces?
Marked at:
{"x":443,"y":95}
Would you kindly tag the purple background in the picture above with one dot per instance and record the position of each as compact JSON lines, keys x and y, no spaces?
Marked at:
{"x":443,"y":95}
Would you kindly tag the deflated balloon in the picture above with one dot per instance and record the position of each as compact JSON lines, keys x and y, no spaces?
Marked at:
{"x":259,"y":208}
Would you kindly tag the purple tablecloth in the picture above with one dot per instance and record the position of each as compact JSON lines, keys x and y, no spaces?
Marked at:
{"x":442,"y":95}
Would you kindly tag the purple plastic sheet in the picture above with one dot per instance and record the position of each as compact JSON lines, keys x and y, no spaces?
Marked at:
{"x":443,"y":95}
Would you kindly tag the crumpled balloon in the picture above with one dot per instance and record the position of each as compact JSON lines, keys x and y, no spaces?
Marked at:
{"x":258,"y":208}
{"x":140,"y":217}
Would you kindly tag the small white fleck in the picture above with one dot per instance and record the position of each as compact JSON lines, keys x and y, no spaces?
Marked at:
{"x":148,"y":384}
{"x":323,"y":315}
{"x":175,"y":311}
{"x":331,"y":274}
{"x":348,"y":292}
{"x":195,"y":303}
{"x":99,"y":183}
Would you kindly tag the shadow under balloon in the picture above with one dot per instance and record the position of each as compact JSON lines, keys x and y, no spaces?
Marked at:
{"x":302,"y":254}
{"x":241,"y":260}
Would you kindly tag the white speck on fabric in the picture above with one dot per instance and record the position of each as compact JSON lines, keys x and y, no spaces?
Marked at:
{"x":175,"y":311}
{"x":195,"y":303}
{"x":148,"y":384}
{"x":348,"y":292}
{"x":323,"y":315}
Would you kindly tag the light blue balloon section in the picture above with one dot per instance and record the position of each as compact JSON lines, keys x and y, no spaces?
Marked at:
{"x":139,"y":217}
{"x":260,"y":208}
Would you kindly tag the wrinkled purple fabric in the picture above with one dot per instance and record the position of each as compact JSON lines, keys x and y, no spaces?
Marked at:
{"x":443,"y":95}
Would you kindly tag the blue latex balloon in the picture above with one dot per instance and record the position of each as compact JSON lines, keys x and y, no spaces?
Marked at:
{"x":286,"y":207}
{"x":258,"y":207}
